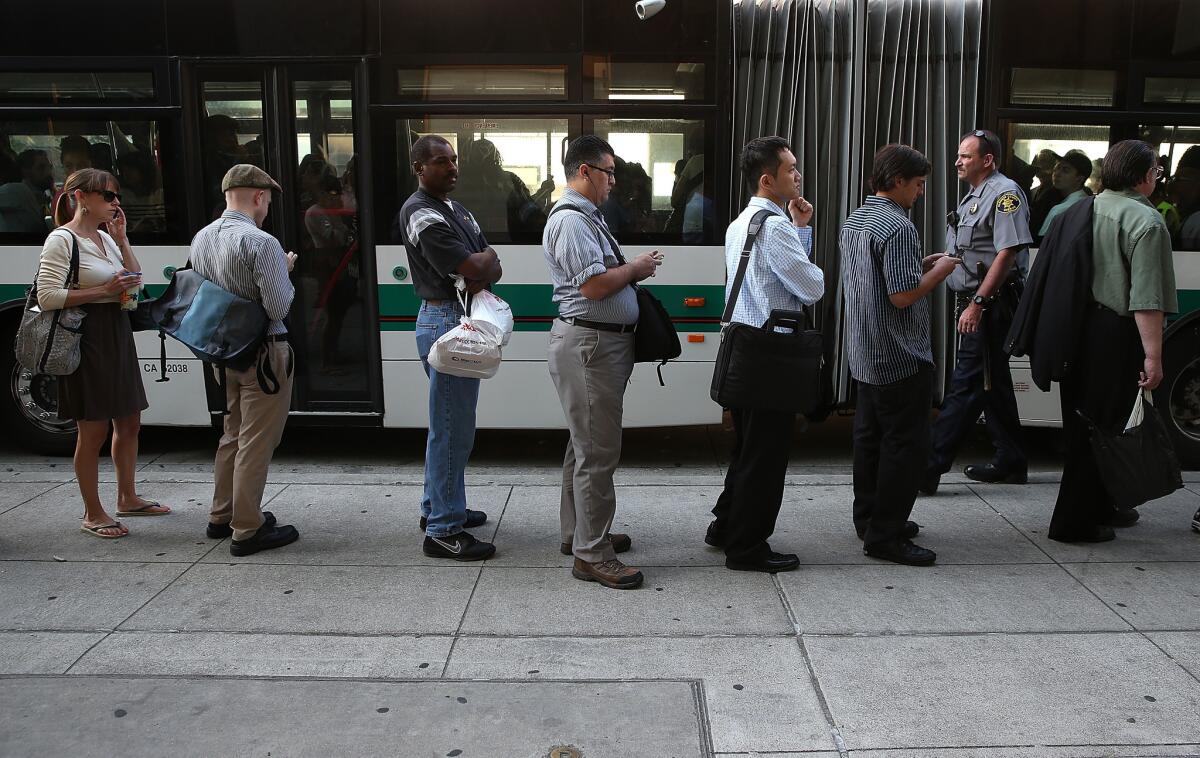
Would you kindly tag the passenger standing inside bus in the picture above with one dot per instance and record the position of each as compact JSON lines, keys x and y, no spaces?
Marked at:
{"x":107,"y":386}
{"x":990,"y":233}
{"x":591,"y":358}
{"x":234,"y":253}
{"x":886,"y":280}
{"x":1120,"y":347}
{"x":442,"y":239}
{"x":780,"y":276}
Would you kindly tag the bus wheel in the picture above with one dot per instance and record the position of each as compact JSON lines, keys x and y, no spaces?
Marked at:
{"x":30,"y":409}
{"x":1178,"y":397}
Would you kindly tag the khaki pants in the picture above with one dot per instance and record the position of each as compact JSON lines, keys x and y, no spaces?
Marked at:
{"x":253,"y":429}
{"x":590,"y":369}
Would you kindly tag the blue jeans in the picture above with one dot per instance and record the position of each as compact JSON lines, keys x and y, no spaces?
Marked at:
{"x":452,"y":401}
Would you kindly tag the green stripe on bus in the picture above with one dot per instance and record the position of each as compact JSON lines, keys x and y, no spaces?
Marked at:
{"x":533,"y":300}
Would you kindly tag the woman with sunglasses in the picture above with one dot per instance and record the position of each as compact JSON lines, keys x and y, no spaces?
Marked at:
{"x":107,"y":386}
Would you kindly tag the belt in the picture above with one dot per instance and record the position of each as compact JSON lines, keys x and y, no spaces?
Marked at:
{"x":603,"y":326}
{"x":276,"y":337}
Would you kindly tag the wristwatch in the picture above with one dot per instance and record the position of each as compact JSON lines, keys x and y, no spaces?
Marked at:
{"x":983,"y":302}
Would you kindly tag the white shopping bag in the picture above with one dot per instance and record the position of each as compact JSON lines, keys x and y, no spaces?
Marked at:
{"x":466,"y":350}
{"x":491,"y":314}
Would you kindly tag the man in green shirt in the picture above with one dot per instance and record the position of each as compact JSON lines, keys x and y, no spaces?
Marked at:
{"x":1120,"y":345}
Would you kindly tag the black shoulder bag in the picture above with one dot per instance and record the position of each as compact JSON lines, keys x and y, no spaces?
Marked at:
{"x":759,"y":368}
{"x":655,"y":339}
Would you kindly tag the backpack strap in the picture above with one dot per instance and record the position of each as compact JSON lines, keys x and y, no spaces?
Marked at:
{"x":756,"y":224}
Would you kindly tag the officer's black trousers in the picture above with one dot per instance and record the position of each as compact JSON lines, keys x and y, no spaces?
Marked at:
{"x":1103,"y":385}
{"x":967,"y":398}
{"x":891,"y":440}
{"x":749,"y":504}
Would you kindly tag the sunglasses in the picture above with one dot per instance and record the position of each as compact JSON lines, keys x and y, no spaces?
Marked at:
{"x":109,"y":195}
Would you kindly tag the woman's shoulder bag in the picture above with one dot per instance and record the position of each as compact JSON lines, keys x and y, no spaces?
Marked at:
{"x":48,"y":341}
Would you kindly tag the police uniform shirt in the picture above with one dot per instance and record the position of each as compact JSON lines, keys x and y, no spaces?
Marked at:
{"x":993,"y":216}
{"x":438,"y":236}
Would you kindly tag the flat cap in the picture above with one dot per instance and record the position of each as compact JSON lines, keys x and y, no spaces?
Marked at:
{"x":248,"y":175}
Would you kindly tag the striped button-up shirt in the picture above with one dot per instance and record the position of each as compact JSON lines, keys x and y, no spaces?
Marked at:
{"x":881,"y":256}
{"x":577,"y":249}
{"x":780,"y":274}
{"x":233,"y":253}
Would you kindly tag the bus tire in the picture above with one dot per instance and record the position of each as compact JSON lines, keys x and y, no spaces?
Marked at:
{"x":30,"y":404}
{"x":1178,"y":397}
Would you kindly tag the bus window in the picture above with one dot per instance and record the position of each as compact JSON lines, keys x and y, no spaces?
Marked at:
{"x":628,"y":80}
{"x":36,"y":156}
{"x":510,"y":169}
{"x":662,"y":191}
{"x":1046,"y":161}
{"x":1177,"y":196}
{"x":69,"y":87}
{"x":233,"y":133}
{"x":490,"y":82}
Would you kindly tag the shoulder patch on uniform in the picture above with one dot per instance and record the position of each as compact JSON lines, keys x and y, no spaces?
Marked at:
{"x":1008,"y":202}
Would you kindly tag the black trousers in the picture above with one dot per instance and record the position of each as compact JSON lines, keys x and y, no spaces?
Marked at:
{"x":891,"y":440}
{"x":1102,"y":386}
{"x":749,"y":504}
{"x":967,"y":398}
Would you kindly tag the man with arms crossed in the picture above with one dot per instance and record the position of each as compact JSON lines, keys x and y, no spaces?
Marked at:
{"x":442,"y":239}
{"x":779,"y":276}
{"x":234,"y":253}
{"x":888,"y":346}
{"x":591,"y":358}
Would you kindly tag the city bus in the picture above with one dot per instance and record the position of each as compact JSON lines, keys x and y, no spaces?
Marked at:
{"x":329,"y":99}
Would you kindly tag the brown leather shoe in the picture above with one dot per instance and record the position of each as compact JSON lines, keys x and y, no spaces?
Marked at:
{"x":612,"y":574}
{"x":620,"y":543}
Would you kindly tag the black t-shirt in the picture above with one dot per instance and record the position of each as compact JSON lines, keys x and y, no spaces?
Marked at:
{"x":438,"y":237}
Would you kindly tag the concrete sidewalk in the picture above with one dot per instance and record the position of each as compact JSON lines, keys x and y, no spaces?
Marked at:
{"x":350,"y":642}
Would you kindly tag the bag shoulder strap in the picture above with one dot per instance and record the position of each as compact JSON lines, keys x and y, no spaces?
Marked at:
{"x":600,"y":229}
{"x":756,"y":225}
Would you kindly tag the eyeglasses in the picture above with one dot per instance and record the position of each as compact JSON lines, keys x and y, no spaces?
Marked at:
{"x":611,"y":173}
{"x":109,"y":195}
{"x":1158,"y":172}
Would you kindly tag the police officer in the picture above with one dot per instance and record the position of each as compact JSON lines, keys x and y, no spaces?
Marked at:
{"x":990,"y":233}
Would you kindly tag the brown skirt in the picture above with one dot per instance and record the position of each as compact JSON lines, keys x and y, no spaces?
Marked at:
{"x":108,"y":383}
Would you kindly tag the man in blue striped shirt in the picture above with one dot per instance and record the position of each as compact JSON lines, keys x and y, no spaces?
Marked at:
{"x":885,"y":281}
{"x":779,"y":276}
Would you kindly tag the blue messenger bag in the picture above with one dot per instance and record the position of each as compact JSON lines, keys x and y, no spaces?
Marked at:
{"x":220,"y":327}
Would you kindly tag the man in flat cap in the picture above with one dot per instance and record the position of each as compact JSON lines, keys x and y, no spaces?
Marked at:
{"x":234,"y":253}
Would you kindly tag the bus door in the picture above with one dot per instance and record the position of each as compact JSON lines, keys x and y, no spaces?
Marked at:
{"x":300,"y":123}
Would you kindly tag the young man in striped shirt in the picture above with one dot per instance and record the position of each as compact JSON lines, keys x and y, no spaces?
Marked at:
{"x":885,"y":280}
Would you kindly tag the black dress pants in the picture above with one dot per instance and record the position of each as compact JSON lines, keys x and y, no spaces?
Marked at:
{"x":891,"y":441}
{"x":749,"y":504}
{"x":1103,"y":386}
{"x":967,"y":398}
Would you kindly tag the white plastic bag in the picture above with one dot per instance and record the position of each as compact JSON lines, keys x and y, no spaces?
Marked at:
{"x":491,"y":314}
{"x":466,"y":350}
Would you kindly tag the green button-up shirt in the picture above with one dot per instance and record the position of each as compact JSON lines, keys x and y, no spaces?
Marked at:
{"x":1131,"y":252}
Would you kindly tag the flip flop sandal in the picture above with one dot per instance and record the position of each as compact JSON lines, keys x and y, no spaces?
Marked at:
{"x":95,"y":531}
{"x":145,"y":510}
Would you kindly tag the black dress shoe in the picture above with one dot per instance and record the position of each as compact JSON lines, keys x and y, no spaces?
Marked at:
{"x":474,"y":519}
{"x":266,"y":538}
{"x":987,"y":472}
{"x":1123,"y":517}
{"x":929,"y":483}
{"x":911,"y":529}
{"x":901,"y":551}
{"x":1196,"y":522}
{"x":221,"y":531}
{"x":714,"y":536}
{"x":770,"y":562}
{"x":1093,"y":533}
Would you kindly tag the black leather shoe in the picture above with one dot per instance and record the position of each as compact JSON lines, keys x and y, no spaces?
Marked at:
{"x":929,"y":483}
{"x":266,"y":538}
{"x":770,"y":562}
{"x":1094,"y":533}
{"x":474,"y":519}
{"x":911,"y":529}
{"x":458,"y":547}
{"x":713,"y":536}
{"x":1196,"y":522}
{"x":221,"y":531}
{"x":987,"y":472}
{"x":901,"y":551}
{"x":1123,"y":517}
